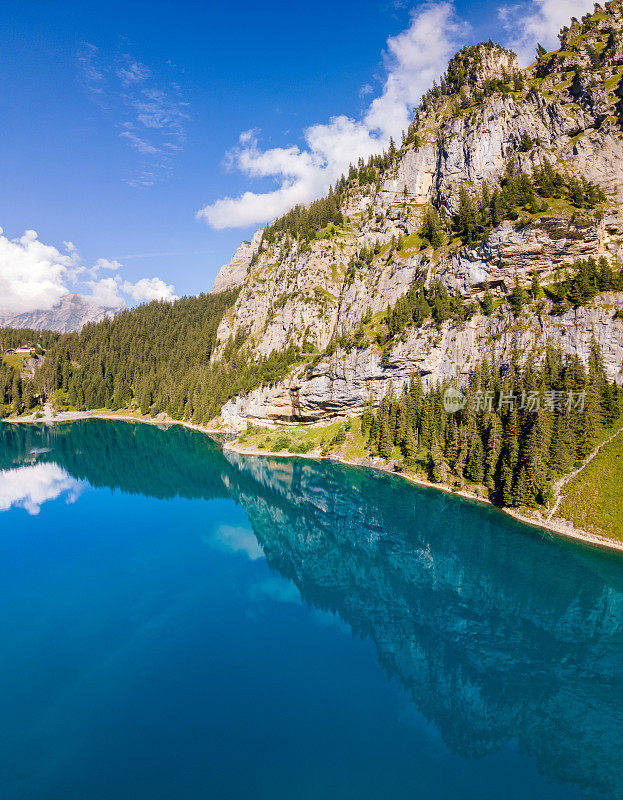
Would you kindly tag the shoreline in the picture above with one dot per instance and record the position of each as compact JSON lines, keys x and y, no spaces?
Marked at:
{"x":553,"y":527}
{"x":77,"y":416}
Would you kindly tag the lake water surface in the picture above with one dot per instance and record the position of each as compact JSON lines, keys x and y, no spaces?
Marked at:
{"x":178,"y":623}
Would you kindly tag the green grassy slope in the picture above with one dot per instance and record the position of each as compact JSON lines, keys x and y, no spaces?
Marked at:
{"x":593,"y":500}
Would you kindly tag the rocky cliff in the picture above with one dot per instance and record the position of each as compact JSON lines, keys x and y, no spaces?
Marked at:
{"x":564,"y":113}
{"x":233,"y":273}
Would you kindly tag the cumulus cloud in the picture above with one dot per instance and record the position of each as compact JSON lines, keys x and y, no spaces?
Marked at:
{"x":30,"y":487}
{"x":148,"y":289}
{"x":105,"y":293}
{"x":104,"y":263}
{"x":34,"y":276}
{"x":413,"y":59}
{"x":539,"y":21}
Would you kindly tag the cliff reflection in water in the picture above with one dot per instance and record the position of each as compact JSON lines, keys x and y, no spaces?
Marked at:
{"x":496,"y":633}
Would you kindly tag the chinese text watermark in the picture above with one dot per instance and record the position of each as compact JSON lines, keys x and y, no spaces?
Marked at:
{"x":489,"y":400}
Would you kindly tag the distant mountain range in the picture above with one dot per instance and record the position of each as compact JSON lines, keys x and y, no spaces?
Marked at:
{"x":70,"y":313}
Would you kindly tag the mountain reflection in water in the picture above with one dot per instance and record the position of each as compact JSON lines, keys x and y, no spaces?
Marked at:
{"x":496,"y":632}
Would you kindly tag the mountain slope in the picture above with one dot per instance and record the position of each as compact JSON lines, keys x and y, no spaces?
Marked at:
{"x":483,"y":254}
{"x":71,"y":313}
{"x":487,"y":133}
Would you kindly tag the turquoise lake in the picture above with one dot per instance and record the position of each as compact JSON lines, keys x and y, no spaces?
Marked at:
{"x":181,"y":623}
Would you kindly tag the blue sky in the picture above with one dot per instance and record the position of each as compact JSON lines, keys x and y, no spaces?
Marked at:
{"x":121,"y":121}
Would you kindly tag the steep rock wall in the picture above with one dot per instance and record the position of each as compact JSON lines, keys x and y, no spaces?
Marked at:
{"x":295,"y":293}
{"x":345,"y":382}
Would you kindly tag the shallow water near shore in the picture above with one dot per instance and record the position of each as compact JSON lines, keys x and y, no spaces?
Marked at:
{"x":181,"y":622}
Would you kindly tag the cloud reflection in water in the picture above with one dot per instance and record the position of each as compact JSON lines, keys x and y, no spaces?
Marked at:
{"x":31,"y":486}
{"x":236,"y":539}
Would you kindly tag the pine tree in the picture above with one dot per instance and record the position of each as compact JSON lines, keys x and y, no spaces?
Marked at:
{"x":517,"y":298}
{"x":487,"y":303}
{"x":497,"y":208}
{"x":400,"y":425}
{"x":485,"y":207}
{"x":475,"y":467}
{"x":562,"y":446}
{"x":431,"y":228}
{"x":466,"y":219}
{"x":425,"y":428}
{"x":410,"y":443}
{"x":16,"y":393}
{"x":28,"y":397}
{"x":520,"y":494}
{"x":438,"y":468}
{"x":506,"y":484}
{"x":386,"y":433}
{"x":535,"y":456}
{"x":586,"y":428}
{"x":494,"y":448}
{"x":452,"y":444}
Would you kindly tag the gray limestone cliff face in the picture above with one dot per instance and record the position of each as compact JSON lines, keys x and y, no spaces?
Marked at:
{"x":233,"y":274}
{"x":540,"y":246}
{"x":297,"y":293}
{"x":288,"y":295}
{"x":472,"y":150}
{"x":344,"y":383}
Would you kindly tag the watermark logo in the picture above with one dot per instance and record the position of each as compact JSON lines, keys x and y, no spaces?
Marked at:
{"x":548,"y":400}
{"x":453,"y":400}
{"x":534,"y":401}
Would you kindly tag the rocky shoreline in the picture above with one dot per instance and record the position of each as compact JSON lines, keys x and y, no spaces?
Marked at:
{"x":557,"y":527}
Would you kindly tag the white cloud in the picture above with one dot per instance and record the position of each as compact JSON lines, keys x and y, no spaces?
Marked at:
{"x":539,"y":21}
{"x":148,"y":289}
{"x":92,"y":74}
{"x":30,"y":487}
{"x":141,"y":145}
{"x":34,"y":276}
{"x":132,"y":71}
{"x":413,"y":59}
{"x":104,"y":263}
{"x":147,"y":108}
{"x":105,"y":293}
